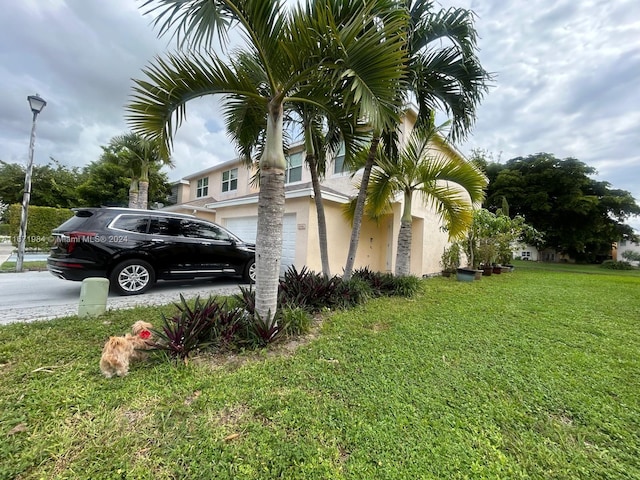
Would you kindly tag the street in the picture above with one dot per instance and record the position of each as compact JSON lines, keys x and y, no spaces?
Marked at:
{"x":34,"y":295}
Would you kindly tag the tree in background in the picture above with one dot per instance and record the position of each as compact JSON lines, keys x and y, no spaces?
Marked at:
{"x":3,"y":209}
{"x":139,"y":156}
{"x":53,"y":184}
{"x":108,"y":184}
{"x":578,"y":216}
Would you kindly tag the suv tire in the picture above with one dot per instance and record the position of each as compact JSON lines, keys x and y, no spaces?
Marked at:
{"x":249,"y":273}
{"x":132,"y":277}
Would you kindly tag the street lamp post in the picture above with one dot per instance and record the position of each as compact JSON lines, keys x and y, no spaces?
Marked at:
{"x":37,"y":104}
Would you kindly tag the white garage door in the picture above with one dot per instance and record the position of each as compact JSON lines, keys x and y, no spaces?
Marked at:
{"x":246,"y":228}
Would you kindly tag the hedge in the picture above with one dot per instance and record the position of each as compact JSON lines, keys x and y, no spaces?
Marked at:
{"x":40,"y":222}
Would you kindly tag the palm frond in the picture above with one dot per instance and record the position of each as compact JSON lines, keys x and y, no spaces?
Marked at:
{"x":191,"y":21}
{"x":158,"y":106}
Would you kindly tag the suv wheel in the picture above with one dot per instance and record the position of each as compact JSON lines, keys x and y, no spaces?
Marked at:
{"x":132,"y":277}
{"x":249,"y":274}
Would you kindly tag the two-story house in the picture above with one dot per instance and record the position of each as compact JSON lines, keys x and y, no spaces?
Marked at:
{"x":225,"y":194}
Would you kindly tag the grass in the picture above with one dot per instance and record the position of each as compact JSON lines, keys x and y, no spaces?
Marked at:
{"x":11,"y":266}
{"x":532,"y":374}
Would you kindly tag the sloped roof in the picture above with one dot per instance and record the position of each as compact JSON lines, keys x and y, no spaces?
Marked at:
{"x":197,"y":204}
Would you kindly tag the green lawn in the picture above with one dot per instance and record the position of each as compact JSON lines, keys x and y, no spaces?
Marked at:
{"x":531,"y":374}
{"x":11,"y":266}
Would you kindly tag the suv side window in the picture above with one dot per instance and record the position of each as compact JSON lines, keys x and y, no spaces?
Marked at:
{"x":195,"y":229}
{"x":130,"y":223}
{"x":164,"y":226}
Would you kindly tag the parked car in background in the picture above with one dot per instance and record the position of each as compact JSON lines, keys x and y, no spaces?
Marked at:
{"x":134,"y":248}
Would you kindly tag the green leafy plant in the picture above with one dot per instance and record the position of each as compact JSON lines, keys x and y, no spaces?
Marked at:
{"x":294,"y":321}
{"x":616,"y":265}
{"x":381,"y":283}
{"x":631,"y":256}
{"x":406,"y":286}
{"x":354,"y":291}
{"x":450,"y":259}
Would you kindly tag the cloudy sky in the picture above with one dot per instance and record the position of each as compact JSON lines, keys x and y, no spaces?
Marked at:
{"x":567,"y":82}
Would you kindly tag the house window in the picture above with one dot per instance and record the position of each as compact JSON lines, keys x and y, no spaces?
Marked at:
{"x":294,"y":168}
{"x":203,"y":187}
{"x":525,"y":256}
{"x":230,"y":180}
{"x":338,"y":164}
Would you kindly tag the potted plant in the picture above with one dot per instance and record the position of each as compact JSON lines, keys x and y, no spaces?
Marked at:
{"x":487,"y":255}
{"x":450,"y":259}
{"x":466,"y":274}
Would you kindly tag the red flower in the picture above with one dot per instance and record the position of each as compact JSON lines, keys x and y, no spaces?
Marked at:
{"x":144,"y":334}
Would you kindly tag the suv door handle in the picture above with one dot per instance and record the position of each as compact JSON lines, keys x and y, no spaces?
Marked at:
{"x":157,"y":240}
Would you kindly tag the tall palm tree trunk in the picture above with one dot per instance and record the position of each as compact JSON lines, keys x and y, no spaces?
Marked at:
{"x":143,"y":185}
{"x":270,"y":215}
{"x":359,"y":212}
{"x":322,"y":220}
{"x":134,"y":193}
{"x":143,"y":195}
{"x":403,"y":255}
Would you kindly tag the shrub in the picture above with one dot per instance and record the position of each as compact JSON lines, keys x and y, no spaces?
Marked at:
{"x":40,"y":222}
{"x":380,"y":283}
{"x":354,"y":291}
{"x":294,"y":321}
{"x":406,"y":286}
{"x":629,"y":255}
{"x":309,"y":290}
{"x":193,"y":328}
{"x":262,"y":331}
{"x":614,"y":265}
{"x":246,"y":299}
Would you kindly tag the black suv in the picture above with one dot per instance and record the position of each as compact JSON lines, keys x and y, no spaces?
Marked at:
{"x":134,"y":248}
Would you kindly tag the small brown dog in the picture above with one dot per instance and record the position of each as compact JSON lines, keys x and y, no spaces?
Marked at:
{"x":119,"y":351}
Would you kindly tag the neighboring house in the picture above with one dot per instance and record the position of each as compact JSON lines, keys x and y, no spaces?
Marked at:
{"x":529,"y":252}
{"x":225,"y":194}
{"x":525,"y":251}
{"x":626,"y":245}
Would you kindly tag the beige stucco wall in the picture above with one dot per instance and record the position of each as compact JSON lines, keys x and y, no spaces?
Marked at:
{"x":210,"y":216}
{"x":428,"y":240}
{"x":215,"y":183}
{"x":371,"y":250}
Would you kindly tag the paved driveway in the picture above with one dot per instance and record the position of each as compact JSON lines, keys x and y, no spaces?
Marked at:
{"x":32,"y":296}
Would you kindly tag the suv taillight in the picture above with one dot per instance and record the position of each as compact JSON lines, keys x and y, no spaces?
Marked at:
{"x":70,"y":239}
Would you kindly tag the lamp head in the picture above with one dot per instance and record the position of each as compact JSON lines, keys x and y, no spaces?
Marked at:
{"x":36,"y":103}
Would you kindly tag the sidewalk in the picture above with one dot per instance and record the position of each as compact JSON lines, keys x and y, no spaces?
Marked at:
{"x":6,"y":249}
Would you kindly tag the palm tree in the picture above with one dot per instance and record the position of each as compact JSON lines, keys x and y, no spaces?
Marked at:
{"x":444,"y":73}
{"x":137,"y":155}
{"x":290,"y":57}
{"x":322,"y":140}
{"x":444,"y":179}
